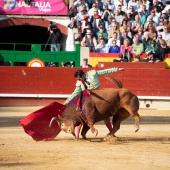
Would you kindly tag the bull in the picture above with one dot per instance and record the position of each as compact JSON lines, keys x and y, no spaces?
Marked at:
{"x":100,"y":105}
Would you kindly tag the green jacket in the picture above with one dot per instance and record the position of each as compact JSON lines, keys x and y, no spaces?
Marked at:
{"x":92,"y":78}
{"x":137,"y":48}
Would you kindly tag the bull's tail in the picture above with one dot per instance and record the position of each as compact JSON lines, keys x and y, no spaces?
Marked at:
{"x":115,"y":81}
{"x":54,"y":118}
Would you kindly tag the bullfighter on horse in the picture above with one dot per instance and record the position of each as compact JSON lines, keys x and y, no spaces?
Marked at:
{"x":89,"y":81}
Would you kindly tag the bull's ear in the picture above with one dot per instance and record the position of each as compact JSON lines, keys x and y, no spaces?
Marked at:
{"x":60,"y":117}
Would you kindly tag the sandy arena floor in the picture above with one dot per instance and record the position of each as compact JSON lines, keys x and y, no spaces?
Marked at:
{"x":148,"y":149}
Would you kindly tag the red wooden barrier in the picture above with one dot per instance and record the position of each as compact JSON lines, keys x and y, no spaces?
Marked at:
{"x":148,"y":81}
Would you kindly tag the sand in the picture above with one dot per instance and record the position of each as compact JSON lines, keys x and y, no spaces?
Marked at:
{"x":148,"y":149}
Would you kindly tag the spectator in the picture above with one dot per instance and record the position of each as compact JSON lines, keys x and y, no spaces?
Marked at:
{"x":117,"y":17}
{"x":109,"y":24}
{"x":102,"y":47}
{"x":159,"y":38}
{"x":167,"y":5}
{"x":124,"y":26}
{"x":137,"y":49}
{"x":145,"y":11}
{"x":146,"y":40}
{"x":105,"y":14}
{"x":151,"y":47}
{"x":159,"y":28}
{"x":137,"y":37}
{"x":155,"y":18}
{"x":155,"y":4}
{"x":136,"y":28}
{"x":164,"y":14}
{"x":91,"y":11}
{"x":103,"y":31}
{"x":114,"y":48}
{"x":132,"y":13}
{"x":79,"y":4}
{"x":85,"y":8}
{"x":165,"y":34}
{"x":121,"y":10}
{"x":99,"y":37}
{"x":149,"y":20}
{"x":166,"y":22}
{"x":150,"y":58}
{"x":133,"y":24}
{"x":110,"y":5}
{"x":54,"y":37}
{"x":140,"y":33}
{"x":89,"y":41}
{"x":129,"y":17}
{"x":114,"y":22}
{"x":114,"y":38}
{"x":125,"y":36}
{"x":89,"y":27}
{"x":81,"y":15}
{"x":121,"y":5}
{"x":99,"y":4}
{"x":161,"y":51}
{"x":95,"y":19}
{"x":89,"y":2}
{"x":81,"y":19}
{"x":133,"y":3}
{"x":158,"y":14}
{"x":85,"y":63}
{"x":150,"y":26}
{"x":113,"y":30}
{"x":152,"y":33}
{"x":125,"y":51}
{"x":144,"y":3}
{"x":51,"y":64}
{"x":142,"y":17}
{"x":67,"y":64}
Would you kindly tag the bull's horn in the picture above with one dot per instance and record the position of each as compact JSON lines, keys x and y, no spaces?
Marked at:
{"x":54,"y":118}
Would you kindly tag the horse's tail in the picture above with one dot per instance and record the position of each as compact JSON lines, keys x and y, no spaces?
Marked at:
{"x":115,"y":81}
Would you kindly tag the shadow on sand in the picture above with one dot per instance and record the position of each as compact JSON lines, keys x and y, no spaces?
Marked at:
{"x":13,"y":121}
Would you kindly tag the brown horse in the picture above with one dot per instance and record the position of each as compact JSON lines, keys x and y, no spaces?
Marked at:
{"x":100,"y":105}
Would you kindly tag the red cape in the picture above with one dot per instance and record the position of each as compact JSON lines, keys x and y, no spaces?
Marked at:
{"x":37,"y":123}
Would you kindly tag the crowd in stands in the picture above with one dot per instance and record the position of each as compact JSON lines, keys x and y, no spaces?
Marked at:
{"x":127,"y":27}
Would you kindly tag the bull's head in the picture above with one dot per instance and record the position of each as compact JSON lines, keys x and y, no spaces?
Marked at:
{"x":65,"y":124}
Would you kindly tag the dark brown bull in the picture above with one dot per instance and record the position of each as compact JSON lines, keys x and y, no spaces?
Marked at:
{"x":100,"y":105}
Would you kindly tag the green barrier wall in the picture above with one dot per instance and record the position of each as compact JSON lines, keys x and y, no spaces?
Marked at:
{"x":12,"y":53}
